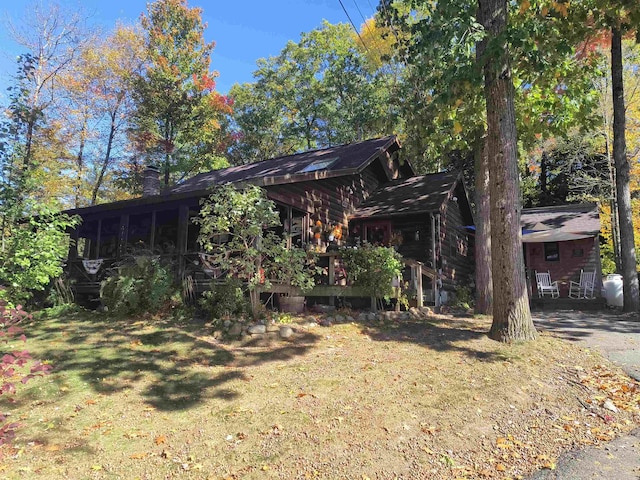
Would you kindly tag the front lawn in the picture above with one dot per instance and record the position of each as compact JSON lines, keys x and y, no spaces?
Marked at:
{"x":152,"y":399}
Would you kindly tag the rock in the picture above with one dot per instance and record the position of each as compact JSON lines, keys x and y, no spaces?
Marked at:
{"x":372,"y":317}
{"x":227,"y":323}
{"x":258,"y":329}
{"x":327,"y":322}
{"x":350,"y":318}
{"x":286,"y":331}
{"x":339,"y":319}
{"x":608,"y":404}
{"x":235,"y":330}
{"x":273,"y":328}
{"x":426,"y":311}
{"x":362,"y":317}
{"x":415,"y":314}
{"x":404,"y":316}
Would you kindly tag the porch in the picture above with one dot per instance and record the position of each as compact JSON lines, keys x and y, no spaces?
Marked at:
{"x":197,"y":278}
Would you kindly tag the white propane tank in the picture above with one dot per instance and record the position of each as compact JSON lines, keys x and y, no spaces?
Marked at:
{"x":613,"y":290}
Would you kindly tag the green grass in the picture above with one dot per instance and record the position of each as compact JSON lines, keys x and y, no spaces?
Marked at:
{"x":156,"y":397}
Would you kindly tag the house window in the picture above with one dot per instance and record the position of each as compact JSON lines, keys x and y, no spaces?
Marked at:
{"x":316,"y":165}
{"x":551,"y":252}
{"x":377,"y":233}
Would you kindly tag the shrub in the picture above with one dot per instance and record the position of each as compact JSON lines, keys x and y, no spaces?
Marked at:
{"x":225,"y":299}
{"x":32,"y":254}
{"x":373,"y":269}
{"x":294,"y":266}
{"x":463,"y":298}
{"x":140,"y":284}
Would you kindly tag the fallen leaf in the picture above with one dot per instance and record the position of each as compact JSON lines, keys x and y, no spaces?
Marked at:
{"x":138,"y":456}
{"x":500,"y":467}
{"x":160,"y":439}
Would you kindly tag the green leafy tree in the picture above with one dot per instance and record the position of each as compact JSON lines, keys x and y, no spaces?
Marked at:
{"x":442,"y":101}
{"x":178,"y":113}
{"x":320,"y":91}
{"x":242,"y":218}
{"x":99,"y":105}
{"x":511,"y":316}
{"x":33,"y":237}
{"x":33,"y":252}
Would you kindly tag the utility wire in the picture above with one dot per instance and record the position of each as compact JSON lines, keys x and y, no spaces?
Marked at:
{"x":354,"y":26}
{"x":364,"y":21}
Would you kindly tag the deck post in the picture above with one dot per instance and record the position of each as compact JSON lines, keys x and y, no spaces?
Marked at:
{"x":418,"y":268}
{"x":152,"y":239}
{"x":73,"y":243}
{"x":183,"y":228}
{"x":434,"y":258}
{"x":98,"y":239}
{"x":332,"y":277}
{"x":123,"y":234}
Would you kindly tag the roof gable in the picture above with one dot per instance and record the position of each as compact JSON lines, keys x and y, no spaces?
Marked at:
{"x":426,"y":193}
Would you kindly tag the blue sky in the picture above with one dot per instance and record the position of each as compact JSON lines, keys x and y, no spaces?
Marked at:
{"x":244,"y":30}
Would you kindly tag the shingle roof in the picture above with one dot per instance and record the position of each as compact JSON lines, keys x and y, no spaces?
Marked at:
{"x":425,"y":193}
{"x":579,"y":218}
{"x":349,"y":159}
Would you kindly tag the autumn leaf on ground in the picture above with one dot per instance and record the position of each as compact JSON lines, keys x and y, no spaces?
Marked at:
{"x":138,"y":456}
{"x":160,"y":439}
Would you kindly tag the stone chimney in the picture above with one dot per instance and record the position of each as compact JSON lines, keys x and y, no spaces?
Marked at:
{"x":151,"y":181}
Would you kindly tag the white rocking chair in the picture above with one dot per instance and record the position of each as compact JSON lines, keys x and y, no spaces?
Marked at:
{"x":583,"y":288}
{"x":546,"y":286}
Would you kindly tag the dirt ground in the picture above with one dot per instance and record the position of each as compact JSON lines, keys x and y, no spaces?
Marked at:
{"x":433,"y":399}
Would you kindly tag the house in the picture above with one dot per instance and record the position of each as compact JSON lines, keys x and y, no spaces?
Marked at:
{"x":362,"y":188}
{"x":562,"y":240}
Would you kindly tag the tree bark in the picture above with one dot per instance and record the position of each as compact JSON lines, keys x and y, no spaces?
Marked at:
{"x":623,"y":190}
{"x":484,"y":281}
{"x":511,"y":315}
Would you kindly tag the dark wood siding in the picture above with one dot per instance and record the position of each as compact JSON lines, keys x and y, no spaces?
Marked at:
{"x":331,"y":200}
{"x":457,"y":246}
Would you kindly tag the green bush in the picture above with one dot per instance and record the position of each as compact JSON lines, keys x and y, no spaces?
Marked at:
{"x":463,"y":298}
{"x":141,"y":284}
{"x":225,"y":300}
{"x":32,"y":253}
{"x":373,"y":268}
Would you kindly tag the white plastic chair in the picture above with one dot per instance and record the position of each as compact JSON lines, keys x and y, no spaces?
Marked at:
{"x":546,"y":286}
{"x":583,"y":288}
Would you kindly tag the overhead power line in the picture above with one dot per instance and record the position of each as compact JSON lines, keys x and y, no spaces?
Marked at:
{"x":354,"y":26}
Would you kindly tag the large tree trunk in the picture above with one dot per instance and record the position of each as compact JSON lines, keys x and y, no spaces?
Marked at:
{"x":625,"y":216}
{"x":511,"y":315}
{"x":484,"y":281}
